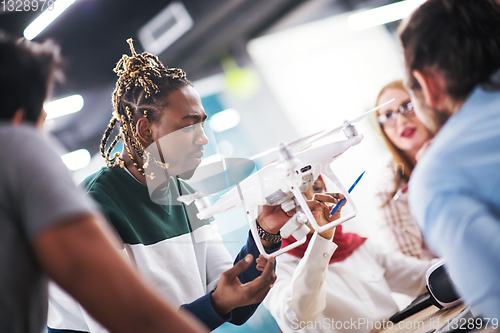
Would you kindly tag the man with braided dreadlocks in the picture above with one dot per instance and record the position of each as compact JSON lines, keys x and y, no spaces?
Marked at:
{"x":157,"y":107}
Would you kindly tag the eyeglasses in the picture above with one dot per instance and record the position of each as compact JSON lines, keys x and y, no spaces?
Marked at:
{"x":389,"y":119}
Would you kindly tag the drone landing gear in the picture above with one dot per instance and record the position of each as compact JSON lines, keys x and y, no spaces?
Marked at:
{"x":251,"y":213}
{"x":296,"y":226}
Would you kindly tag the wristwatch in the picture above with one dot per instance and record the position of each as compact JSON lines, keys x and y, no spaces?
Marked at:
{"x":266,"y":236}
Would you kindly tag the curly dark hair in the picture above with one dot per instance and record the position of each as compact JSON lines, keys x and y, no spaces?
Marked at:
{"x":459,"y":38}
{"x":28,"y":71}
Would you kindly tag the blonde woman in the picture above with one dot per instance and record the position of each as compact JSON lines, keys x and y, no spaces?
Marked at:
{"x":404,"y":135}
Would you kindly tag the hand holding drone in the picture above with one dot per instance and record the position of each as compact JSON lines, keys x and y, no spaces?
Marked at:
{"x":321,"y":205}
{"x":282,"y":183}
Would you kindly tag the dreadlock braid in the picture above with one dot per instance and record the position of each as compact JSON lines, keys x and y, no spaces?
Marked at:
{"x":106,"y":135}
{"x":113,"y":161}
{"x":125,"y":139}
{"x":141,"y":90}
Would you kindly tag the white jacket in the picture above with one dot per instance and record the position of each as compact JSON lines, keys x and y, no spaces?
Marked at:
{"x":310,"y":295}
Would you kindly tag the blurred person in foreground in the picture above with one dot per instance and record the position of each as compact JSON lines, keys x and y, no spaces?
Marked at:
{"x":47,"y":226}
{"x":339,"y":281}
{"x":452,"y":58}
{"x":404,"y":134}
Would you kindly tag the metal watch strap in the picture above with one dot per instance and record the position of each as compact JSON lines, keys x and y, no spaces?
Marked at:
{"x":266,"y":236}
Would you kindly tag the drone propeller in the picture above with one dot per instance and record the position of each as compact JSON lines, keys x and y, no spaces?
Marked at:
{"x":355,"y":120}
{"x":291,"y":145}
{"x":187,"y":199}
{"x":308,"y":140}
{"x":350,"y":122}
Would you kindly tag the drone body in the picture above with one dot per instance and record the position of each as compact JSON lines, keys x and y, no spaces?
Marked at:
{"x":270,"y":185}
{"x":282,"y":183}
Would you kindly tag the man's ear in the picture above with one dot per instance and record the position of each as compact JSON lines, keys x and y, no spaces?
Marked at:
{"x":18,"y":117}
{"x":144,"y":130}
{"x":433,"y":86}
{"x":41,"y":119}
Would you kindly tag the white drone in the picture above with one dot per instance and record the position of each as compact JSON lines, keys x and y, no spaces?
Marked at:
{"x":283,"y":183}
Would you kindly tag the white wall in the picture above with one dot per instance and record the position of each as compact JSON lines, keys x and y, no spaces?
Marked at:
{"x":323,"y":73}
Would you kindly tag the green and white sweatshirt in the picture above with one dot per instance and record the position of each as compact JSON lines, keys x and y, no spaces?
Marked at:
{"x":180,"y":255}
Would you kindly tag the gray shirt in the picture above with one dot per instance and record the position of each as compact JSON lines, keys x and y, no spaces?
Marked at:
{"x":36,"y":192}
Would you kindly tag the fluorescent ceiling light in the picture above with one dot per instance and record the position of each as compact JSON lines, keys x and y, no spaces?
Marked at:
{"x":382,"y":15}
{"x":165,"y":28}
{"x":44,"y":19}
{"x":225,"y":120}
{"x":63,"y":106}
{"x":210,"y":85}
{"x":76,"y":159}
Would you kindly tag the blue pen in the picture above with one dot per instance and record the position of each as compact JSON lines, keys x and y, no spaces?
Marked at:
{"x":334,"y":209}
